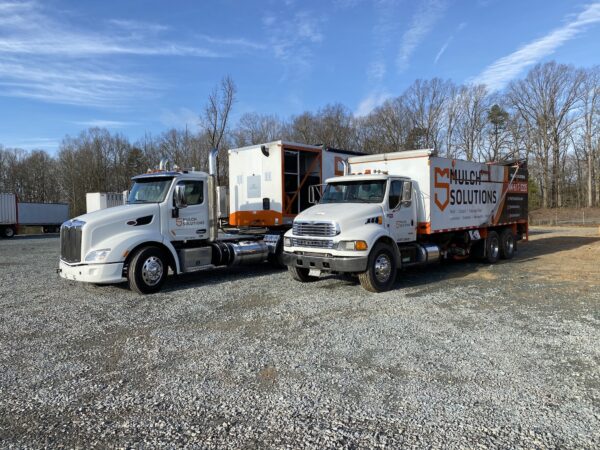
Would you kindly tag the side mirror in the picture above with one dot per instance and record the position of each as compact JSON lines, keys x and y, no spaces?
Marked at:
{"x":406,"y":193}
{"x":179,"y":197}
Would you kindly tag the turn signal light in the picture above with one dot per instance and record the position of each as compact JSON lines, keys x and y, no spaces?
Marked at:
{"x":361,"y":245}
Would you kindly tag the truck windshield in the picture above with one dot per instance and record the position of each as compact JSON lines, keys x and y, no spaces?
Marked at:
{"x":151,"y":190}
{"x":360,"y":191}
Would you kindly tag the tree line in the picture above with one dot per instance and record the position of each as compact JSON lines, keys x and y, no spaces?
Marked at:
{"x":551,"y":117}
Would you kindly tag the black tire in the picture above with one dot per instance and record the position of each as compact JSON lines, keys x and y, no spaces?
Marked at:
{"x":276,"y":259}
{"x":301,"y":274}
{"x":8,"y":232}
{"x":492,"y":247}
{"x":148,"y":270}
{"x":507,"y":244}
{"x":381,"y":269}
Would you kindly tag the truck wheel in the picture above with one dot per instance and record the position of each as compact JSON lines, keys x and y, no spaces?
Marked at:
{"x":147,"y":270}
{"x":8,"y":232}
{"x":381,"y":270}
{"x":276,"y":259}
{"x":301,"y":274}
{"x":507,"y":244}
{"x":492,"y":247}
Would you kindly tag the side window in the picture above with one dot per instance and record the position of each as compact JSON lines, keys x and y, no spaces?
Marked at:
{"x":194,"y":191}
{"x":395,"y":193}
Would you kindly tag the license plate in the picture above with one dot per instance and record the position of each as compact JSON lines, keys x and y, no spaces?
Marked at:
{"x":314,"y":273}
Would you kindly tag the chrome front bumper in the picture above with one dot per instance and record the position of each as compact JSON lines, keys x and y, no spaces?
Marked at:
{"x":327,"y":264}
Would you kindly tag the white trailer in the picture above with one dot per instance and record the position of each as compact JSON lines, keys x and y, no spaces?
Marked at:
{"x":14,"y":214}
{"x":95,"y":201}
{"x":397,"y":210}
{"x":269,"y":184}
{"x":8,"y":215}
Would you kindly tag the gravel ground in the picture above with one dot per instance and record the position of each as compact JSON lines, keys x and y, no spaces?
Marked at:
{"x":459,"y":355}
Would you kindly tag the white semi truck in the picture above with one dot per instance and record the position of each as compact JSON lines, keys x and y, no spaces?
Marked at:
{"x":15,"y":214}
{"x":172,"y":218}
{"x":403,"y":209}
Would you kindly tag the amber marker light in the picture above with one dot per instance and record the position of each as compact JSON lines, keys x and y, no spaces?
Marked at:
{"x":361,"y":245}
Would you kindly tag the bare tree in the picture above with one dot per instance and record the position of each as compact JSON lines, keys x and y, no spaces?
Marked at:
{"x":426,"y":101}
{"x":473,"y":106}
{"x":216,"y":113}
{"x":590,"y":125}
{"x":546,"y":100}
{"x":254,"y":128}
{"x":387,"y":128}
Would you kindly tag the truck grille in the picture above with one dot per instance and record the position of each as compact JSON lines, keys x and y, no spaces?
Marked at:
{"x":315,"y":229}
{"x":314,"y":243}
{"x":70,"y":242}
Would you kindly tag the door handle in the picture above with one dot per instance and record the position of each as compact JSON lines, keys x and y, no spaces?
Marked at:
{"x":412,"y":223}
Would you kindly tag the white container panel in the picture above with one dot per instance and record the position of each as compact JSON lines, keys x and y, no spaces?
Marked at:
{"x":451,"y":193}
{"x":465,"y":194}
{"x":8,"y":209}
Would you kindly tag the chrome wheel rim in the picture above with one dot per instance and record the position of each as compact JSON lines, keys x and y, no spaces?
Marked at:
{"x":383,"y":268}
{"x":510,"y":245}
{"x":494,"y":248}
{"x":152,"y":271}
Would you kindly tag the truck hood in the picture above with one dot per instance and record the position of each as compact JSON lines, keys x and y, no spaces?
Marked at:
{"x":347,"y":215}
{"x":123,"y":213}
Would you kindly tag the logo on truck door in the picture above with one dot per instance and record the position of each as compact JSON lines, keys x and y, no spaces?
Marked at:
{"x":445,"y":187}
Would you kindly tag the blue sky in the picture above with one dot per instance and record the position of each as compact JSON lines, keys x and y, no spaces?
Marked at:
{"x":147,"y":65}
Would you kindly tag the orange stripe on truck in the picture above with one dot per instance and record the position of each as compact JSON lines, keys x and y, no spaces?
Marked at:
{"x":259,"y":218}
{"x":424,"y":228}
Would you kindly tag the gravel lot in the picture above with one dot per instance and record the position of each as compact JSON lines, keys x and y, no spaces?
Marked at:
{"x":457,"y":355}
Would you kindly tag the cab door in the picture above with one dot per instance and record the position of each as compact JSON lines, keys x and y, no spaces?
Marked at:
{"x":190,"y":222}
{"x":401,"y":216}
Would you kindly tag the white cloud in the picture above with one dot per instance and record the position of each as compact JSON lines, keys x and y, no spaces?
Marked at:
{"x":428,"y":13}
{"x":47,"y":58}
{"x":383,"y":32}
{"x":181,"y":118}
{"x":442,"y":49}
{"x":370,"y":102}
{"x":136,"y":25}
{"x":293,"y":39}
{"x":499,"y":73}
{"x":236,"y":42}
{"x":41,"y":143}
{"x":101,"y":123}
{"x":66,"y":83}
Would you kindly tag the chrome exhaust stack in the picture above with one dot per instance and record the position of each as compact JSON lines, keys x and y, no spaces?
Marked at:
{"x":164,"y":164}
{"x":212,"y":162}
{"x":346,"y":166}
{"x":213,"y":213}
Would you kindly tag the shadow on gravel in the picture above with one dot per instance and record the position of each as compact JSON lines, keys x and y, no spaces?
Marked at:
{"x":31,"y":237}
{"x":217,"y":276}
{"x":413,"y":277}
{"x":553,"y":244}
{"x":527,"y":251}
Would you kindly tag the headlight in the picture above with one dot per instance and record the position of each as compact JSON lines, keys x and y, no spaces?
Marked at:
{"x":287,"y":242}
{"x":352,"y":245}
{"x":97,"y":255}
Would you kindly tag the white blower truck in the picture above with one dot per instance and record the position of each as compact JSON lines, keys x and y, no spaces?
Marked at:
{"x":171,"y":219}
{"x":397,"y":210}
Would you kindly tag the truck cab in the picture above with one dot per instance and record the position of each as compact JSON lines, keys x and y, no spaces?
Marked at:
{"x":356,"y":228}
{"x":409,"y":208}
{"x":165,"y":209}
